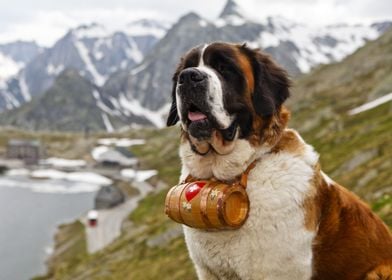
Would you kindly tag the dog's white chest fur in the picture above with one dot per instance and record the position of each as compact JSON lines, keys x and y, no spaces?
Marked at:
{"x":273,"y":243}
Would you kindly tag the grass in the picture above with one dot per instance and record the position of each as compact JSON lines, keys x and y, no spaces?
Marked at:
{"x":57,"y":144}
{"x":160,"y":153}
{"x":70,"y":249}
{"x":368,"y":131}
{"x":383,"y":206}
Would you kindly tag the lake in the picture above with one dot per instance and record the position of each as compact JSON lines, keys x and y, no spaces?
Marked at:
{"x":28,"y":221}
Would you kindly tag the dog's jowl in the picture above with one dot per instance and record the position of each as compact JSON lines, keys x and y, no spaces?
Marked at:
{"x":301,"y":224}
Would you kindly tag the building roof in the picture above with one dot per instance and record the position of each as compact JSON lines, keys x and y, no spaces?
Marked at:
{"x":109,"y":154}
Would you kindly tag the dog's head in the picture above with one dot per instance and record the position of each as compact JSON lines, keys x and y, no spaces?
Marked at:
{"x":222,"y":92}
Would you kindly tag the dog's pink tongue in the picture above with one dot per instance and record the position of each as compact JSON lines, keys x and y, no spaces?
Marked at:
{"x":196,"y":116}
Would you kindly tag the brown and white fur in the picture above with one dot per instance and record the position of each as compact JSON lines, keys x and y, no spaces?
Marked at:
{"x":302,"y":225}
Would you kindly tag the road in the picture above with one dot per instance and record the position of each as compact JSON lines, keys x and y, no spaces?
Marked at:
{"x":110,"y":220}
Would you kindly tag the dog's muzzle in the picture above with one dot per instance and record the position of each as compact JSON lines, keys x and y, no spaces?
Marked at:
{"x":192,"y":89}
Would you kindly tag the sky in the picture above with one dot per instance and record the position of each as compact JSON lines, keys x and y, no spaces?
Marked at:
{"x":45,"y":21}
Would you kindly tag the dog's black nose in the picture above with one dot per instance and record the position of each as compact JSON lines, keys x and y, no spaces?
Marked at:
{"x":191,"y":75}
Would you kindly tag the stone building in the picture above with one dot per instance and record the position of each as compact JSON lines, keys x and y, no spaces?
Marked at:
{"x":28,"y":151}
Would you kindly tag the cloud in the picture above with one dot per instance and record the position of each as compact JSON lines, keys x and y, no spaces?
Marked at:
{"x":322,"y":11}
{"x":311,"y":11}
{"x":46,"y":20}
{"x":42,"y":27}
{"x":46,"y":27}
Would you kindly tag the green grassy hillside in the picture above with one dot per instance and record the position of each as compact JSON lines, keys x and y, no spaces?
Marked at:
{"x":355,"y":150}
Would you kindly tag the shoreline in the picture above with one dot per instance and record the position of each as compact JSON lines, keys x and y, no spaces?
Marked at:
{"x":71,"y":240}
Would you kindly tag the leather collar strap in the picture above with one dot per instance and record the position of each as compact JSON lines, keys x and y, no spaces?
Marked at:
{"x":242,"y":179}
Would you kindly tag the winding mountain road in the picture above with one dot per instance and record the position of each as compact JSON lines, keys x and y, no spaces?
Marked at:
{"x":109,"y":223}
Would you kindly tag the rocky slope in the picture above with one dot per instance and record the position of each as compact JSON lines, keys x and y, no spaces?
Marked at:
{"x":59,"y":108}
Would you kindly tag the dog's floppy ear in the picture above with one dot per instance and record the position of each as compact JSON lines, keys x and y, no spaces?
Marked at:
{"x":173,"y":118}
{"x":272,"y":84}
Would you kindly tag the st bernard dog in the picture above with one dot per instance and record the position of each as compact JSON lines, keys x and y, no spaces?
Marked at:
{"x":301,"y":225}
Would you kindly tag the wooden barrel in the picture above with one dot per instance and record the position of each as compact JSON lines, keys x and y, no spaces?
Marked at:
{"x":208,"y":205}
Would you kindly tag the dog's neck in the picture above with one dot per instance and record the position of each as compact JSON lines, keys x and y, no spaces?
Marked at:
{"x":221,"y":167}
{"x":243,"y":152}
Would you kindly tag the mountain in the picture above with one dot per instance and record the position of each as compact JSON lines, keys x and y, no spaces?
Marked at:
{"x":355,"y":151}
{"x":14,"y":57}
{"x":231,"y":10}
{"x":59,"y":108}
{"x":56,"y":108}
{"x":133,"y":67}
{"x":91,"y":49}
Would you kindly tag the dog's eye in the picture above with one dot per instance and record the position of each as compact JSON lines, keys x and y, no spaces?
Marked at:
{"x":221,"y":67}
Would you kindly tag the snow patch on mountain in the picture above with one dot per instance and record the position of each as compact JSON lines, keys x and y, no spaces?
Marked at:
{"x":84,"y":55}
{"x":108,"y":125}
{"x":54,"y":70}
{"x":134,"y":107}
{"x":315,"y":44}
{"x":10,"y":100}
{"x":24,"y":89}
{"x":372,"y":104}
{"x":8,"y":66}
{"x":203,"y":23}
{"x":349,"y":38}
{"x":134,"y":52}
{"x":138,"y":69}
{"x":231,"y":20}
{"x":101,"y":105}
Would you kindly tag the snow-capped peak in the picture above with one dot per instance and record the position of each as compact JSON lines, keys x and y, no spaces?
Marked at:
{"x":280,"y":22}
{"x":93,"y":30}
{"x":232,"y":9}
{"x":313,"y":45}
{"x":232,"y":14}
{"x":145,"y":27}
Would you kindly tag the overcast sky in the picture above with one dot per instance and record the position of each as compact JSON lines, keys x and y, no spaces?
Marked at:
{"x":47,"y":20}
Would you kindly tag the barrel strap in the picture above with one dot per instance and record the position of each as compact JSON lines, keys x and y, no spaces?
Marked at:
{"x":243,"y":180}
{"x":189,"y":179}
{"x":244,"y":175}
